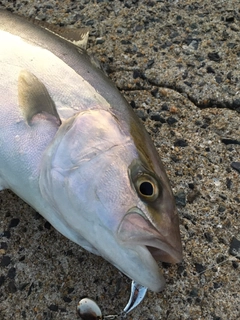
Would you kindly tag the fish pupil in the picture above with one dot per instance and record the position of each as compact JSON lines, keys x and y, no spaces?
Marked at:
{"x":146,"y":188}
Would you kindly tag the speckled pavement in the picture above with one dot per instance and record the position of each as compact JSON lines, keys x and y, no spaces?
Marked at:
{"x":178,"y":64}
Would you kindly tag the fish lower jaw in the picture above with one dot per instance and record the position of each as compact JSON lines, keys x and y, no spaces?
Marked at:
{"x":160,"y":250}
{"x":155,"y":255}
{"x":169,"y":256}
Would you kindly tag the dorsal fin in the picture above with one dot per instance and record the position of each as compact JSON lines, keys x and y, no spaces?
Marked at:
{"x":33,"y":97}
{"x":78,"y":37}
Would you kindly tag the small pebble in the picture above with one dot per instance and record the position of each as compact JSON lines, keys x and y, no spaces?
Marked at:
{"x":236,"y":166}
{"x":180,"y":198}
{"x":235,"y":247}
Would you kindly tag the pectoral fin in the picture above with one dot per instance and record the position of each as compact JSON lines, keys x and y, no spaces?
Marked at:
{"x":33,"y":97}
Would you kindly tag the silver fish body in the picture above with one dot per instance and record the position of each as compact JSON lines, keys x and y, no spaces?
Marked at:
{"x":72,"y":148}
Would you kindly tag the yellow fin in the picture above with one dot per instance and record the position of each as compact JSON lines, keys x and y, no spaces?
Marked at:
{"x":33,"y":97}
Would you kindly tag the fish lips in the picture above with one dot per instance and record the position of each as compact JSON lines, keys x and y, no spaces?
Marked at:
{"x":136,"y":229}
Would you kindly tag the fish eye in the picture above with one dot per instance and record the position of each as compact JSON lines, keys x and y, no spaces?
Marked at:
{"x":146,"y":183}
{"x":147,"y":188}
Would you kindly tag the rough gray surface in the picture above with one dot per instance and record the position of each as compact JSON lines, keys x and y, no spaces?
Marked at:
{"x":178,"y":63}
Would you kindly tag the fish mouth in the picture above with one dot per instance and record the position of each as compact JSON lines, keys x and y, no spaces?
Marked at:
{"x":162,"y":241}
{"x":164,"y":256}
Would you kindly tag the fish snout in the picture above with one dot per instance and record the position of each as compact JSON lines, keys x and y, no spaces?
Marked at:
{"x":164,"y":242}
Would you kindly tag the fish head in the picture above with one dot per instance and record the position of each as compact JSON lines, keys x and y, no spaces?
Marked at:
{"x":110,"y":197}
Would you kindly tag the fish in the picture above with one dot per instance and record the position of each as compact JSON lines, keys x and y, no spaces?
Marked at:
{"x":74,"y":150}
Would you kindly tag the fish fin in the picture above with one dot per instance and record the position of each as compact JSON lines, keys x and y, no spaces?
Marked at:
{"x":86,"y":245}
{"x":97,"y":64}
{"x":33,"y":97}
{"x":77,"y":36}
